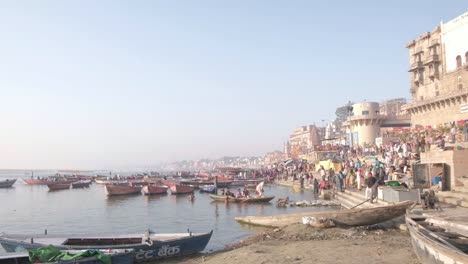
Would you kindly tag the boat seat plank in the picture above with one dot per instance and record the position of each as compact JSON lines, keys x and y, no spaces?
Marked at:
{"x":435,"y":229}
{"x":450,"y":235}
{"x":48,"y":240}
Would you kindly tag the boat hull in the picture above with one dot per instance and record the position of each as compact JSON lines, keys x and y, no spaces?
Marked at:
{"x":208,"y":189}
{"x":428,"y":250}
{"x":7,"y":183}
{"x":348,"y":218}
{"x":154,"y":189}
{"x":58,"y":186}
{"x":112,"y":189}
{"x":223,"y":198}
{"x":36,"y":182}
{"x":181,"y":189}
{"x":23,"y":258}
{"x":81,"y":184}
{"x":168,"y":245}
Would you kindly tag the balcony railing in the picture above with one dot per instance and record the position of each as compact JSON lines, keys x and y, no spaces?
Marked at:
{"x":416,"y":65}
{"x":431,"y":58}
{"x":435,"y":42}
{"x":445,"y":96}
{"x":418,"y":50}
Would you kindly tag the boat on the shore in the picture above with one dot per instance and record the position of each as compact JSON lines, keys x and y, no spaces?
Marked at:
{"x":181,"y":189}
{"x":7,"y":183}
{"x":435,"y":244}
{"x":348,"y":217}
{"x":151,"y":189}
{"x":56,"y":186}
{"x":147,"y":247}
{"x":121,"y":256}
{"x":81,"y":184}
{"x":254,"y":199}
{"x":122,"y":189}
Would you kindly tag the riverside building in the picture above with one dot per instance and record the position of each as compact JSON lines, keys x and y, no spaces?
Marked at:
{"x":439,"y":74}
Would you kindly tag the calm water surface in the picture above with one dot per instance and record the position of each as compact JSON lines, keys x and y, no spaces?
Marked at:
{"x":31,"y":209}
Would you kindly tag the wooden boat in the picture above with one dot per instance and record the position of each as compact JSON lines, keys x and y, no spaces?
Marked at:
{"x":121,"y":256}
{"x":255,"y":199}
{"x":168,"y":182}
{"x":58,"y":186}
{"x":147,"y":247}
{"x":156,"y":181}
{"x":348,"y":217}
{"x":7,"y":183}
{"x":81,"y":184}
{"x":122,"y":189}
{"x":180,"y":189}
{"x":208,"y":188}
{"x":154,"y":189}
{"x":435,"y":244}
{"x":36,"y":181}
{"x":245,"y":182}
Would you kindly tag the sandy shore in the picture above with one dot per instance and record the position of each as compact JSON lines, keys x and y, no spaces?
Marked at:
{"x":304,"y":244}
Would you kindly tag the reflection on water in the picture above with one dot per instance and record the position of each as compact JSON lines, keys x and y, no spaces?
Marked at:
{"x":116,"y":200}
{"x":154,"y":198}
{"x":82,"y":211}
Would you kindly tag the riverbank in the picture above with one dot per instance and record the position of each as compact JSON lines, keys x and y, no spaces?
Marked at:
{"x":304,"y":244}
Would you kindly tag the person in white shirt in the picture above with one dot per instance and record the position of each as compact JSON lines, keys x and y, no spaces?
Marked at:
{"x":453,"y":133}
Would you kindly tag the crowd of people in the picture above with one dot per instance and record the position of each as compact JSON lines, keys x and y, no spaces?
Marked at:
{"x":352,"y":170}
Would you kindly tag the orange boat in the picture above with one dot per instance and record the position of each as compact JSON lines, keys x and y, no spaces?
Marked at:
{"x":154,"y":189}
{"x":181,"y":189}
{"x":117,"y":189}
{"x":36,"y":182}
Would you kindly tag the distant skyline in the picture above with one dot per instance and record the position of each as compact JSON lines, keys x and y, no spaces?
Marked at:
{"x":126,"y":84}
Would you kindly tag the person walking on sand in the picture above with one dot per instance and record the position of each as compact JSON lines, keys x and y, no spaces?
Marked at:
{"x":372,"y":184}
{"x":316,"y":186}
{"x":453,"y":133}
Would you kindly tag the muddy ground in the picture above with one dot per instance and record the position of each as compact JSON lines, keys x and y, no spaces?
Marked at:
{"x":304,"y":244}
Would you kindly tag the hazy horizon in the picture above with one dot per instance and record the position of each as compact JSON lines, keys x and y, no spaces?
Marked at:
{"x":117,"y":84}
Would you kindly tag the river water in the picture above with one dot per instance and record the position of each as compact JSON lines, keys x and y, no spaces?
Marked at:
{"x":32,"y":209}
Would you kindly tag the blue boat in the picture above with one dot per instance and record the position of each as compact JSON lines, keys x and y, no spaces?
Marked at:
{"x":208,"y":188}
{"x":146,"y":247}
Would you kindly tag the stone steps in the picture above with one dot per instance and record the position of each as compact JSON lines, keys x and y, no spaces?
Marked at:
{"x":362,"y":196}
{"x":454,"y":197}
{"x":463,"y":181}
{"x":347,"y":200}
{"x":461,"y":189}
{"x":454,"y":194}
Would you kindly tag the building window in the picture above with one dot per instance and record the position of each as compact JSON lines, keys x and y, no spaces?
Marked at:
{"x":459,"y":61}
{"x":466,"y":58}
{"x":365,"y":112}
{"x":460,"y":83}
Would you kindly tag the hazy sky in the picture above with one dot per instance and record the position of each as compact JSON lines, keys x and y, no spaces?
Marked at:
{"x":107,"y":84}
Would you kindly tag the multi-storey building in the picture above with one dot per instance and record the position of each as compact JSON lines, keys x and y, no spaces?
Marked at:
{"x":439,"y":74}
{"x":303,"y":140}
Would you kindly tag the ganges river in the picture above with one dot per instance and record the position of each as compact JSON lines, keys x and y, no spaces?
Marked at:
{"x":32,"y":209}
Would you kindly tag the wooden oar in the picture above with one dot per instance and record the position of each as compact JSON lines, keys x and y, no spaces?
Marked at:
{"x":359,"y":204}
